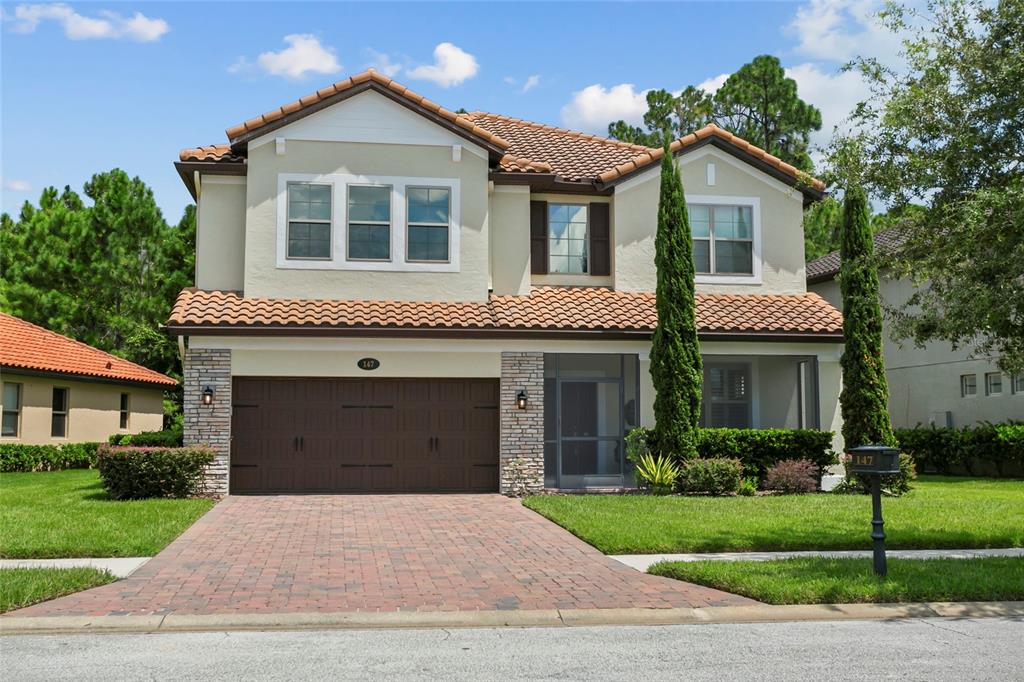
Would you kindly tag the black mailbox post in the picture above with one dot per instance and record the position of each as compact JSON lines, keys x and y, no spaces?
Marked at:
{"x":875,"y":461}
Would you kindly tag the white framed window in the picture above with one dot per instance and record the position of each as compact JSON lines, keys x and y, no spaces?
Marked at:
{"x":59,"y":414}
{"x":428,"y":224}
{"x":1017,"y":384}
{"x":12,"y":410}
{"x":124,"y":411}
{"x":968,"y":385}
{"x":369,"y":223}
{"x":726,"y":234}
{"x":993,"y":383}
{"x":567,"y":239}
{"x":309,"y":221}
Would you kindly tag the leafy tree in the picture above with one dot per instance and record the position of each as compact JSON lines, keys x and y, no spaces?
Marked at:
{"x":822,"y":226}
{"x":667,"y":114}
{"x":864,"y":399}
{"x":620,"y":130}
{"x":946,"y":129}
{"x":675,"y":351}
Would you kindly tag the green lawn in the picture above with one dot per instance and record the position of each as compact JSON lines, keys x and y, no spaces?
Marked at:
{"x":939,"y":513}
{"x":24,"y":586}
{"x":54,"y":514}
{"x":848,"y":581}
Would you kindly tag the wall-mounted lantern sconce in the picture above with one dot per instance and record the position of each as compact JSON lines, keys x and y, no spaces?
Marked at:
{"x":521,"y":400}
{"x":208,"y":396}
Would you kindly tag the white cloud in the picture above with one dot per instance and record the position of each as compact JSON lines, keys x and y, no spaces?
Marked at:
{"x":839,"y":30}
{"x":452,"y":66}
{"x":531,"y":82}
{"x":594,"y":107}
{"x":834,"y":93}
{"x":109,"y":25}
{"x":17,"y":185}
{"x":711,"y":85}
{"x":303,"y":56}
{"x":382,"y":63}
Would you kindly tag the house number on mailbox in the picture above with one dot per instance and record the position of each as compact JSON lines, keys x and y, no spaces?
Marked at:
{"x":369,"y":363}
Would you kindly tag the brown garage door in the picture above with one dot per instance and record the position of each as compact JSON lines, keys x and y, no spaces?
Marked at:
{"x":364,"y":435}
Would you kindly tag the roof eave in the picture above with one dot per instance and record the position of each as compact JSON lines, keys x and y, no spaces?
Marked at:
{"x":94,"y":378}
{"x":549,"y":182}
{"x":186,"y":171}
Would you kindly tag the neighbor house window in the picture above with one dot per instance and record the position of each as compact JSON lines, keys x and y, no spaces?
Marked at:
{"x":12,"y":409}
{"x":1017,"y":384}
{"x":994,"y":383}
{"x":567,"y":239}
{"x":59,"y":418}
{"x":968,"y":385}
{"x":428,"y":220}
{"x":309,"y":221}
{"x":369,"y":223}
{"x":727,"y":396}
{"x":723,"y":239}
{"x":124,"y":411}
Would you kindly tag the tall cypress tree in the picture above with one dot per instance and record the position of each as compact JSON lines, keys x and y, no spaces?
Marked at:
{"x":675,"y":352}
{"x":865,"y":396}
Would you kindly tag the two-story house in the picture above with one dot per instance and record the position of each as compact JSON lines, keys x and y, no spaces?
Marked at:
{"x":391,"y":297}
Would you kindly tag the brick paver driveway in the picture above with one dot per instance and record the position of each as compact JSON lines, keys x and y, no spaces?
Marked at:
{"x":377,"y":553}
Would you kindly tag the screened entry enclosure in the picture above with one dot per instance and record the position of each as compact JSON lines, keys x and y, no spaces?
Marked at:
{"x":590,"y":402}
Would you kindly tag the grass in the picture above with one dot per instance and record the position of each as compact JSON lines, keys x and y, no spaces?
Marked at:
{"x":849,"y":581}
{"x":21,"y":587}
{"x":55,"y":514}
{"x":941,"y":512}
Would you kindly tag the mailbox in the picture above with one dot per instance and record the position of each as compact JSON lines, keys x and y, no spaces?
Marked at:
{"x":875,"y":459}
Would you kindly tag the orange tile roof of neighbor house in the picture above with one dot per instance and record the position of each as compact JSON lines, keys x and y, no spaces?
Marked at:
{"x":26,"y":346}
{"x":545,"y":309}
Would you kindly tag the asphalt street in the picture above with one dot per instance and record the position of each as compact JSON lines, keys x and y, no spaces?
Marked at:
{"x":931,"y":649}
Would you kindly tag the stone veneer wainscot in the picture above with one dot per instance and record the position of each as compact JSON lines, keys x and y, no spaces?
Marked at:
{"x":521,"y":461}
{"x":209,"y":425}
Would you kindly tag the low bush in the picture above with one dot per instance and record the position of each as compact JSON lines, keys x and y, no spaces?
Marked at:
{"x":130,"y":472}
{"x":20,"y":457}
{"x":656,"y":473}
{"x":793,"y":476}
{"x":992,"y":449}
{"x":168,"y":438}
{"x":894,"y":484}
{"x":712,"y":476}
{"x":748,"y":487}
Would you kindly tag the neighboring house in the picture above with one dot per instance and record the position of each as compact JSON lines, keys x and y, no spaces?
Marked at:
{"x":392,"y":296}
{"x":58,"y":390}
{"x":934,"y":384}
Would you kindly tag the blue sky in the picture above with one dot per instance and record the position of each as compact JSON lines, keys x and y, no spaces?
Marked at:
{"x":91,"y":86}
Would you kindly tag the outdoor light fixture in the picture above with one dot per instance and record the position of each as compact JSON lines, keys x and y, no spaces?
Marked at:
{"x":521,"y":400}
{"x":207,"y":396}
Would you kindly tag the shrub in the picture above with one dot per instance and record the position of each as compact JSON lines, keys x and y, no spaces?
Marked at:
{"x":996,"y":448}
{"x":658,"y":474}
{"x":20,"y":457}
{"x":168,"y":438}
{"x":130,"y":472}
{"x":748,"y":487}
{"x":713,"y":476}
{"x":793,"y":476}
{"x":894,"y":484}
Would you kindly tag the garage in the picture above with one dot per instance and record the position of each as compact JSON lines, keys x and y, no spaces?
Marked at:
{"x":327,"y":435}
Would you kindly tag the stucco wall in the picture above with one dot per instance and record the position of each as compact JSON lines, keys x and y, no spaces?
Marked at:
{"x":93,"y":410}
{"x":510,"y":239}
{"x":220,"y":233}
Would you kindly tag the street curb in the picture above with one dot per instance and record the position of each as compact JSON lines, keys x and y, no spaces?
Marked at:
{"x":762,"y":613}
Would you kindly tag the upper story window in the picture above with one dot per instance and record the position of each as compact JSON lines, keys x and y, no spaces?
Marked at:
{"x":369,"y":223}
{"x":567,"y":239}
{"x":994,"y":383}
{"x":12,"y":409}
{"x":309,"y":221}
{"x":59,"y":415}
{"x":968,"y":385}
{"x":723,"y":239}
{"x":1017,"y":384}
{"x":428,"y":216}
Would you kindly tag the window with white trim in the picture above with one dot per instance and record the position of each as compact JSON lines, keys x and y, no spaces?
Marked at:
{"x":12,"y":410}
{"x":59,"y":415}
{"x":727,"y":396}
{"x":567,"y":239}
{"x":723,"y":239}
{"x":124,"y":411}
{"x":994,"y":383}
{"x":1017,"y":384}
{"x":428,"y":218}
{"x":309,"y":221}
{"x":369,"y":223}
{"x":968,"y":385}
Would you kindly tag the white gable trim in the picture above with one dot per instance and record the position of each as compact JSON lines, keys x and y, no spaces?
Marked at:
{"x":371,"y":118}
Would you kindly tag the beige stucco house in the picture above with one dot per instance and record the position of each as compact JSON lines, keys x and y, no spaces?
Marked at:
{"x":58,"y":390}
{"x":391,"y":296}
{"x":934,"y":384}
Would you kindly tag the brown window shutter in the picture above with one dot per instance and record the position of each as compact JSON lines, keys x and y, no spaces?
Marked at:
{"x":600,"y":240}
{"x":539,"y":237}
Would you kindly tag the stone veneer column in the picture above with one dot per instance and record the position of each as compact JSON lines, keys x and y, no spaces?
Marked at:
{"x":209,"y":425}
{"x":521,"y":465}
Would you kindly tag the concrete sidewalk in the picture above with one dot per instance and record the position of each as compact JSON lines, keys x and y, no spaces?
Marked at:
{"x":642,"y":562}
{"x":120,"y":567}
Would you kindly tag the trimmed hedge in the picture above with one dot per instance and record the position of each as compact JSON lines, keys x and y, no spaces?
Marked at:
{"x":713,"y":476}
{"x":20,"y":457}
{"x":168,"y":438}
{"x":987,"y":449}
{"x":130,"y":473}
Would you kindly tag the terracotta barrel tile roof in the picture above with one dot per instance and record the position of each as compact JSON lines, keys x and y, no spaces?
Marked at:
{"x":26,"y":346}
{"x":211,"y":152}
{"x":544,"y":309}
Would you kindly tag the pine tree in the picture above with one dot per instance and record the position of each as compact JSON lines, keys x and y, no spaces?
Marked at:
{"x":865,"y":396}
{"x":675,"y":351}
